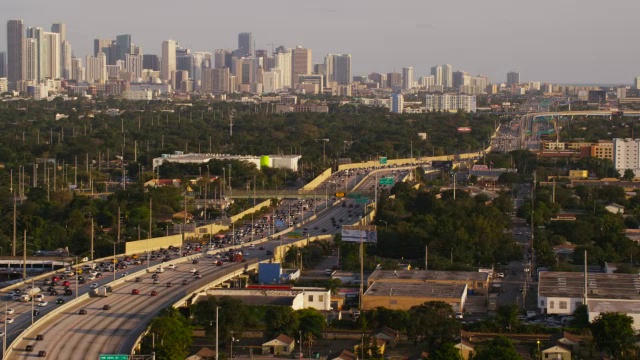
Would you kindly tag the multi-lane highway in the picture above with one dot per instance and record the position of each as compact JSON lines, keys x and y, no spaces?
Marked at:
{"x":113,"y":331}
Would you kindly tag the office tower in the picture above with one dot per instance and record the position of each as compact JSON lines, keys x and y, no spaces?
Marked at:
{"x":245,"y":44}
{"x":96,"y":70}
{"x":49,"y":53}
{"x":338,"y":68}
{"x":168,"y":60}
{"x":102,"y":46}
{"x":378,"y":78}
{"x":459,"y":78}
{"x":3,"y":64}
{"x":394,"y":79}
{"x":426,"y":81}
{"x":15,"y":52}
{"x":513,"y":78}
{"x":271,"y":81}
{"x":245,"y":70}
{"x":221,"y":81}
{"x":77,"y":72}
{"x":123,"y":46}
{"x":267,"y":62}
{"x":133,"y":64}
{"x":636,"y":83}
{"x":407,"y":78}
{"x":31,"y":58}
{"x":447,"y":75}
{"x":397,"y":103}
{"x":320,"y":69}
{"x":61,"y":29}
{"x":301,"y":63}
{"x":178,"y":77}
{"x":436,"y":71}
{"x":283,"y":63}
{"x":151,"y":62}
{"x":220,"y":58}
{"x":65,"y":59}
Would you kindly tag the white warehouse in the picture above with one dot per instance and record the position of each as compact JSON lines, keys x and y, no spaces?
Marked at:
{"x":276,"y":161}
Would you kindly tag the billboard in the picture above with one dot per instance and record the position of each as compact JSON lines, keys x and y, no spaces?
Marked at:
{"x":265,"y":161}
{"x":442,"y":164}
{"x":354,"y":233}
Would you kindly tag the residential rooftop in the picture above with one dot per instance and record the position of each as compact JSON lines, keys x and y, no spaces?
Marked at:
{"x":621,"y":306}
{"x":599,"y":285}
{"x":427,"y":290}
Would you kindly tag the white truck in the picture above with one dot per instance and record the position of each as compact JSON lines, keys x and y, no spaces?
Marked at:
{"x":102,"y":291}
{"x":29,"y":293}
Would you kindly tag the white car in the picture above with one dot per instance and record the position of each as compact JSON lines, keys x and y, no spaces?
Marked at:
{"x":94,"y":285}
{"x":11,"y":311}
{"x":193,"y":270}
{"x":172,"y":266}
{"x":43,"y":303}
{"x":39,"y":297}
{"x":8,"y":320}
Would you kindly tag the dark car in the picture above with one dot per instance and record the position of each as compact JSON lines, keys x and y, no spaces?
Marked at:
{"x":106,"y":307}
{"x":195,"y":261}
{"x":42,"y":353}
{"x":28,"y":348}
{"x":154,"y":293}
{"x":39,"y":337}
{"x":82,"y":281}
{"x":168,"y":284}
{"x":185,"y":282}
{"x":82,"y":312}
{"x":53,"y":293}
{"x":60,"y":301}
{"x":138,"y":279}
{"x":269,"y":252}
{"x":36,"y":312}
{"x":68,"y":292}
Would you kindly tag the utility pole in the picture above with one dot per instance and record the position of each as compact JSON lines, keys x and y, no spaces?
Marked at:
{"x":13,"y":248}
{"x":92,"y":232}
{"x":24,"y":256}
{"x":217,"y":308}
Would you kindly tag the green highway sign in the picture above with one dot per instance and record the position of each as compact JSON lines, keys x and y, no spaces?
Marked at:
{"x":362,"y":200}
{"x":383,"y":160}
{"x":354,"y":195}
{"x":294,"y":234}
{"x":387,"y":181}
{"x":114,"y":357}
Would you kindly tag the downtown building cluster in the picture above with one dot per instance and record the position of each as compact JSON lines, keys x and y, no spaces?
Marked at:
{"x":41,"y":64}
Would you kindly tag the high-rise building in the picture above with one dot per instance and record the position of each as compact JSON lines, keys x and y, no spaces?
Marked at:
{"x":178,"y":77}
{"x":220,"y":58}
{"x":245,"y":70}
{"x":436,"y":72}
{"x":96,"y":70}
{"x":151,"y":62}
{"x":168,"y":60}
{"x":49,"y":53}
{"x":301,"y":63}
{"x":283,"y":63}
{"x":101,"y":46}
{"x":77,"y":71}
{"x":513,"y":78}
{"x":394,"y":80}
{"x":15,"y":52}
{"x":221,"y":81}
{"x":426,"y":81}
{"x":460,"y":78}
{"x":338,"y":68}
{"x":3,"y":64}
{"x":636,"y":83}
{"x":134,"y":65}
{"x":448,"y":102}
{"x":31,"y":58}
{"x":397,"y":103}
{"x":65,"y":59}
{"x":123,"y":46}
{"x":61,"y":29}
{"x":626,"y":155}
{"x":407,"y":78}
{"x":447,"y":75}
{"x":245,"y":45}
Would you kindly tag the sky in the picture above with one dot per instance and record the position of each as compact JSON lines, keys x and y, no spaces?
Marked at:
{"x":559,"y":41}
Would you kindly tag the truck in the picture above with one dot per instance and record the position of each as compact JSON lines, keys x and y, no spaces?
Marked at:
{"x":236,"y":256}
{"x":102,"y":291}
{"x":31,"y":291}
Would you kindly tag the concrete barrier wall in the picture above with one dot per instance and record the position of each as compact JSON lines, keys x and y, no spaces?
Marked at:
{"x":133,"y":247}
{"x":409,"y":161}
{"x":318,"y":180}
{"x":252,"y":210}
{"x":281,"y":250}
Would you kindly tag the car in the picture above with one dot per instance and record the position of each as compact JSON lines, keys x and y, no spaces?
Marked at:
{"x":195,"y":261}
{"x":53,"y":293}
{"x":193,"y":271}
{"x":135,"y":292}
{"x":94,"y":285}
{"x":172,"y":266}
{"x":269,"y":252}
{"x":66,"y":283}
{"x":39,"y":297}
{"x":156,"y":281}
{"x":185,"y":282}
{"x":168,"y":284}
{"x":124,"y":274}
{"x":500,"y":275}
{"x":98,"y":275}
{"x":43,"y":303}
{"x":42,"y":353}
{"x":68,"y":292}
{"x":28,"y":348}
{"x":153,"y":293}
{"x":36,"y":312}
{"x":82,"y":281}
{"x":218,"y":263}
{"x":39,"y":337}
{"x":154,"y":276}
{"x":9,"y":320}
{"x":60,"y":301}
{"x":138,"y":279}
{"x":261,"y":248}
{"x":11,"y":311}
{"x":198,"y":276}
{"x":82,"y":312}
{"x":106,"y":307}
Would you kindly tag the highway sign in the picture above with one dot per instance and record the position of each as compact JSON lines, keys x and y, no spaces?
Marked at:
{"x":114,"y":357}
{"x":340,"y":194}
{"x":353,"y":195}
{"x":294,"y":234}
{"x":280,"y":223}
{"x":387,"y":181}
{"x":362,"y":200}
{"x":383,"y":160}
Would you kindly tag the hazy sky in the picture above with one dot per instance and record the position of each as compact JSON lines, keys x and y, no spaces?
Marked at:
{"x":562,"y":41}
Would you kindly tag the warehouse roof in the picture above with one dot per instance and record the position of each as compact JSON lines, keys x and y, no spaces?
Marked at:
{"x":600,"y":286}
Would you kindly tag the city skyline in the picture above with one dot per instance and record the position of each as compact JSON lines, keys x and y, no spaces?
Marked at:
{"x":548,"y":46}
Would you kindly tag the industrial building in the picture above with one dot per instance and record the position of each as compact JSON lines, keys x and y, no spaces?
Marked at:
{"x":403,"y":296}
{"x":295,"y":297}
{"x":276,"y":161}
{"x":476,"y":282}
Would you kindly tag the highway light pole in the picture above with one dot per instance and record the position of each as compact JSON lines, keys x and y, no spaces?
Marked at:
{"x":4,"y":338}
{"x":217,"y":308}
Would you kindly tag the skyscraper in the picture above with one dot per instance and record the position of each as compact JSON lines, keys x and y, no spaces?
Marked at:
{"x":447,"y":75}
{"x":407,"y":78}
{"x":436,"y":72}
{"x":220,"y":57}
{"x":245,"y":44}
{"x":151,"y":62}
{"x":31,"y":57}
{"x":101,"y":46}
{"x":397,"y":103}
{"x":96,"y":68}
{"x":338,"y":68}
{"x":168,"y":59}
{"x":15,"y":52}
{"x":77,"y":71}
{"x":283,"y":63}
{"x":3,"y":64}
{"x":123,"y":46}
{"x":636,"y":83}
{"x":513,"y":78}
{"x":49,"y":53}
{"x":133,"y":64}
{"x":61,"y":29}
{"x":394,"y":79}
{"x":301,"y":63}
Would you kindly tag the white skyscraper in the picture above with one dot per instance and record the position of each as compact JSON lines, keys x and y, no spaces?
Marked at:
{"x":407,"y":78}
{"x":636,"y":83}
{"x":77,"y":71}
{"x":133,"y":64}
{"x":97,"y":68}
{"x":49,"y":53}
{"x":31,"y":68}
{"x":436,"y":72}
{"x":283,"y":62}
{"x":447,"y":76}
{"x":168,"y":60}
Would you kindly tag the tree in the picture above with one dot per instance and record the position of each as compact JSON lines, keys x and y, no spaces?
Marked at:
{"x":311,"y":322}
{"x":173,"y":335}
{"x":447,"y":351}
{"x":280,"y":320}
{"x":432,"y":324}
{"x":628,"y":175}
{"x":500,"y":348}
{"x":613,"y":333}
{"x":507,"y":315}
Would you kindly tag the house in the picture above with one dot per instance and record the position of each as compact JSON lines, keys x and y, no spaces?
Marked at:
{"x":204,"y":354}
{"x":346,"y":355}
{"x":387,"y":334}
{"x":556,"y":352}
{"x":573,"y":342}
{"x":373,"y":343}
{"x":466,"y":348}
{"x":282,"y":345}
{"x":614,"y":208}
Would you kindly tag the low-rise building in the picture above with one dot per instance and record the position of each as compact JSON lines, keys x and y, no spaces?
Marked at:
{"x":295,"y":297}
{"x":282,"y":345}
{"x":402,"y":296}
{"x":556,"y":352}
{"x":476,"y":282}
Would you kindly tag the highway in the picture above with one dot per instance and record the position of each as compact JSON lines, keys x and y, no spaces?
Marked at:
{"x":69,"y":334}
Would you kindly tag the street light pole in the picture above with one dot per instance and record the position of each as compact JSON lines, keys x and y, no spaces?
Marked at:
{"x":217,"y":308}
